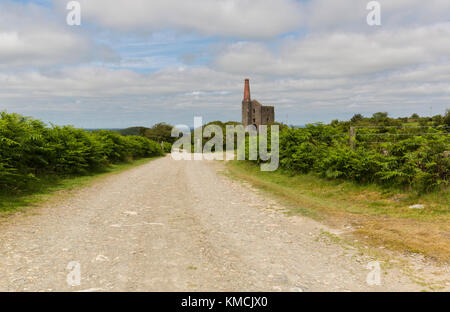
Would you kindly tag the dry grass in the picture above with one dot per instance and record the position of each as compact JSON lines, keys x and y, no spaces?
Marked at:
{"x":376,"y":216}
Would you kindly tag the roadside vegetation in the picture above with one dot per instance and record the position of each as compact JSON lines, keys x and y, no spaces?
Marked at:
{"x":378,"y":150}
{"x":411,"y":154}
{"x":384,"y":179}
{"x":161,"y":133}
{"x":35,"y":157}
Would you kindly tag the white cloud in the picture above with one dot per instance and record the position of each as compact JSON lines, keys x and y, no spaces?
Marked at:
{"x":339,"y":67}
{"x":30,"y":36}
{"x":241,"y":18}
{"x":335,"y":15}
{"x":99,"y":82}
{"x":175,"y":96}
{"x":255,"y":18}
{"x":341,"y":54}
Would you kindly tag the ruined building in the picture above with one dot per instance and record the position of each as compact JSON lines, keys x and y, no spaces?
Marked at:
{"x":253,"y":113}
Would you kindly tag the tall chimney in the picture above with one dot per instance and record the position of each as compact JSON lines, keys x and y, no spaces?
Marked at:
{"x":247,"y":90}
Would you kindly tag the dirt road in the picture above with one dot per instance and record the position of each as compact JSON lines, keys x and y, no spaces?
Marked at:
{"x":177,"y":226}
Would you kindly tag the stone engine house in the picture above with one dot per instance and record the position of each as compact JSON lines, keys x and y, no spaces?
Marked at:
{"x":253,"y":113}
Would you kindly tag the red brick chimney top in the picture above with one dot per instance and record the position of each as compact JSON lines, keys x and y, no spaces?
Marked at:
{"x":247,"y":90}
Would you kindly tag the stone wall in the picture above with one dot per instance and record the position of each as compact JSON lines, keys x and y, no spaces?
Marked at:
{"x":267,"y":115}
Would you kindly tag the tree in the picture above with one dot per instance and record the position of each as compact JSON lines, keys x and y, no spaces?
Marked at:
{"x":334,"y":123}
{"x":380,"y":116}
{"x":160,"y":132}
{"x":415,"y":116}
{"x":447,"y":118}
{"x":357,"y":118}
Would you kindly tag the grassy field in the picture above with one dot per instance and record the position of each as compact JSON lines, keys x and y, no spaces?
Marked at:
{"x":53,"y":185}
{"x":377,"y":216}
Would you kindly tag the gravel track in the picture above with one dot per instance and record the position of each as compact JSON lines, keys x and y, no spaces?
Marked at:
{"x":177,"y":226}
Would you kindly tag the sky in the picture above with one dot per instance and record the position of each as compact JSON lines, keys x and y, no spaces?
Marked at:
{"x":140,"y":62}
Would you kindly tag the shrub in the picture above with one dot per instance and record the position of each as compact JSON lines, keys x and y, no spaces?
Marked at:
{"x":390,"y":156}
{"x":29,"y":149}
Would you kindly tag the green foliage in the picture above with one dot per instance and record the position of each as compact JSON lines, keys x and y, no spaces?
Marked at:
{"x":222,"y":125}
{"x":29,"y":149}
{"x":160,"y":132}
{"x":167,"y":147}
{"x":132,"y":131}
{"x":357,"y":118}
{"x":446,"y":119}
{"x":386,"y":152}
{"x":380,"y":116}
{"x":399,"y":157}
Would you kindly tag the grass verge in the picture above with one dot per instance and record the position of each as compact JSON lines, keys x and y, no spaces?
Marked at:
{"x":377,"y":216}
{"x":50,"y":186}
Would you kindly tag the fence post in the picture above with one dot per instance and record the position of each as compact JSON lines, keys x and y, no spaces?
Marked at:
{"x":352,"y":134}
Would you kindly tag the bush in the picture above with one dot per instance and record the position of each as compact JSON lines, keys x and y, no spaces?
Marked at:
{"x":30,"y":149}
{"x":390,"y":156}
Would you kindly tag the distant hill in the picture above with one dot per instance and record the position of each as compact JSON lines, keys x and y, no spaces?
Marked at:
{"x":133,"y":131}
{"x":160,"y":132}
